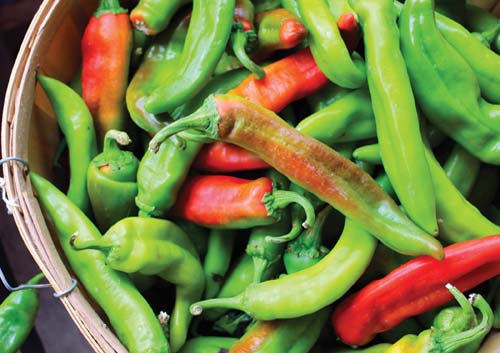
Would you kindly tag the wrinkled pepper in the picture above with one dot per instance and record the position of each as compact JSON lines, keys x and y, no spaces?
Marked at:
{"x":415,"y":287}
{"x":154,"y":247}
{"x":227,"y":202}
{"x":111,"y":181}
{"x":107,"y":39}
{"x":129,"y":313}
{"x":309,"y":164}
{"x":395,"y":111}
{"x":77,"y":125}
{"x":206,"y":40}
{"x":17,"y":316}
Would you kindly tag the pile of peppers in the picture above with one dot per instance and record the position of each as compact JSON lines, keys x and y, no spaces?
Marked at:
{"x":284,"y":176}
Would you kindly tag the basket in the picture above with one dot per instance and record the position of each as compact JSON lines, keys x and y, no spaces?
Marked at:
{"x":30,"y":131}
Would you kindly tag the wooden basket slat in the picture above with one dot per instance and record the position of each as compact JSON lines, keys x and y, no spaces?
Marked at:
{"x":54,"y":48}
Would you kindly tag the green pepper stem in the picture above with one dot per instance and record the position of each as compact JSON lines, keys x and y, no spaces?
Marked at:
{"x":113,"y":139}
{"x":102,"y":244}
{"x":226,"y":303}
{"x":279,"y":199}
{"x":109,"y":6}
{"x":312,"y":236}
{"x":239,"y":43}
{"x":204,"y":120}
{"x":452,"y":343}
{"x":259,"y":267}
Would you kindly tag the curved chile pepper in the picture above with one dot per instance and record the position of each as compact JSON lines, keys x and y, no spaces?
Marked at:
{"x":160,"y":59}
{"x":331,"y":278}
{"x":462,"y":169}
{"x":205,"y":42}
{"x":482,"y":22}
{"x":77,"y":125}
{"x":153,"y":16}
{"x":155,"y":247}
{"x":111,"y":181}
{"x":227,"y":202}
{"x":435,"y":67}
{"x":398,"y":131}
{"x":316,"y":167}
{"x":17,"y":316}
{"x":129,"y":313}
{"x":415,"y":287}
{"x":328,"y":47}
{"x":107,"y":39}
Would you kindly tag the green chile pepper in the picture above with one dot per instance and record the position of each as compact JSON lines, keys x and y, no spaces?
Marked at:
{"x":330,"y":278}
{"x":129,"y":313}
{"x":208,"y":345}
{"x":481,"y":21}
{"x":17,"y":316}
{"x":153,"y":16}
{"x":77,"y":125}
{"x":206,"y":40}
{"x":395,"y":111}
{"x":484,"y":189}
{"x":348,"y":118}
{"x":155,"y":247}
{"x":217,"y":260}
{"x":328,"y":47}
{"x":160,"y":60}
{"x":435,"y":67}
{"x":378,"y":348}
{"x":111,"y":181}
{"x":198,"y":236}
{"x":325,"y":96}
{"x":462,"y":169}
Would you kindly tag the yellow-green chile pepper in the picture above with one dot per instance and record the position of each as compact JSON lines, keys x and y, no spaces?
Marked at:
{"x":111,"y":181}
{"x":208,"y":344}
{"x":128,"y":312}
{"x":17,"y":316}
{"x":395,"y":111}
{"x":155,"y":247}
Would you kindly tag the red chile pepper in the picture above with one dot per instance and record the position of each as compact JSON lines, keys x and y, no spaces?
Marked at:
{"x":219,"y":157}
{"x":349,"y":30}
{"x":415,"y":287}
{"x":220,"y":201}
{"x":285,"y":81}
{"x":106,"y":48}
{"x":309,"y":164}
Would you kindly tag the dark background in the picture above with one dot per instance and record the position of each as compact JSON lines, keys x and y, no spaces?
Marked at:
{"x":54,"y":331}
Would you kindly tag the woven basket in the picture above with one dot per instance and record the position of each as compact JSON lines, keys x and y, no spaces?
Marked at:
{"x":30,"y":131}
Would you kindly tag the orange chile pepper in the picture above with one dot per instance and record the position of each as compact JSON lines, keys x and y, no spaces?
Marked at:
{"x":349,"y":30}
{"x":415,"y":287}
{"x":221,"y":201}
{"x":106,"y":49}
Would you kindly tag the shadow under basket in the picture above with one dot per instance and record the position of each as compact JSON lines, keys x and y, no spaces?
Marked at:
{"x":30,"y":131}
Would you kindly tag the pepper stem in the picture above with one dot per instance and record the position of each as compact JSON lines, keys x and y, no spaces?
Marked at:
{"x":279,"y":199}
{"x":454,"y":342}
{"x":204,"y":120}
{"x":259,"y":267}
{"x":102,"y":244}
{"x":312,"y":236}
{"x":227,"y":303}
{"x":240,"y":40}
{"x":109,"y":6}
{"x":112,"y":141}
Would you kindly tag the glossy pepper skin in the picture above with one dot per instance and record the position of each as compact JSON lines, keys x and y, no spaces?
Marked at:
{"x":462,"y":169}
{"x":331,"y":278}
{"x":77,"y":125}
{"x":227,"y":202}
{"x":395,"y":111}
{"x":415,"y":287}
{"x":348,"y":118}
{"x":286,"y":80}
{"x":17,"y":316}
{"x":111,"y":181}
{"x":316,"y":167}
{"x":328,"y":47}
{"x":206,"y":40}
{"x":435,"y":66}
{"x":153,"y":16}
{"x":458,"y":333}
{"x":155,"y":247}
{"x":107,"y":39}
{"x":130,"y":315}
{"x":160,"y":60}
{"x":279,"y":335}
